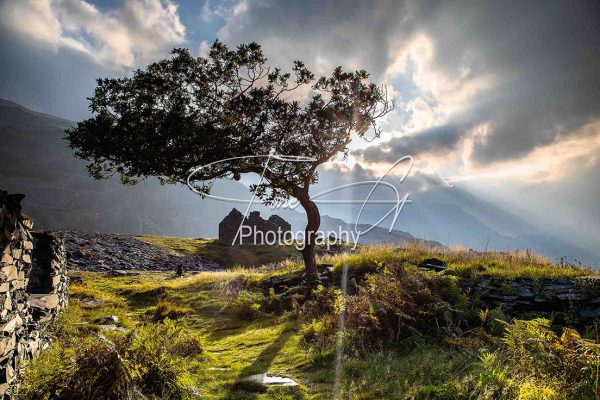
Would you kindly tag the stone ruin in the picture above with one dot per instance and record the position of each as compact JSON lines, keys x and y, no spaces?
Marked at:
{"x":33,"y":290}
{"x":229,"y":226}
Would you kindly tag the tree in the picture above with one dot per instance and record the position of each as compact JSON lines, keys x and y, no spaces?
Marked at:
{"x":183,"y":112}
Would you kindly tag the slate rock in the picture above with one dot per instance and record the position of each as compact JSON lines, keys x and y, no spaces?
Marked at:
{"x":434,"y":264}
{"x":104,"y":252}
{"x":590,"y":313}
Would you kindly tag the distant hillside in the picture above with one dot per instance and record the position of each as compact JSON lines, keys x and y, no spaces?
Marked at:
{"x":35,"y":160}
{"x":453,"y":216}
{"x":375,"y":235}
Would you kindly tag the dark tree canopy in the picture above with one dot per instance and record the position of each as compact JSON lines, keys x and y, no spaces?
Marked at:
{"x":184,"y":112}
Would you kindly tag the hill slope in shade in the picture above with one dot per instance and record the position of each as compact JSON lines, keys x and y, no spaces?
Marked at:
{"x":35,"y":160}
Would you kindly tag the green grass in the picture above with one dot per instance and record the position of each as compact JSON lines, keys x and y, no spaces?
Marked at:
{"x":234,"y":348}
{"x":224,"y":253}
{"x":204,"y":306}
{"x":419,"y":370}
{"x":461,"y":262}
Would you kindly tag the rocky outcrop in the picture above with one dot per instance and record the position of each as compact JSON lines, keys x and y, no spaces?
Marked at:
{"x":434,"y":264}
{"x":577,"y":299}
{"x":570,"y":301}
{"x":33,"y":289}
{"x":120,"y":253}
{"x":273,"y":229}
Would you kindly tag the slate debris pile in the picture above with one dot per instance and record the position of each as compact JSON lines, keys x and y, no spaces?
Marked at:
{"x":117,"y":253}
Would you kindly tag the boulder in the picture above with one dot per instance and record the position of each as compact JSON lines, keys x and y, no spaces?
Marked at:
{"x":76,"y":279}
{"x":434,"y":264}
{"x":111,"y":319}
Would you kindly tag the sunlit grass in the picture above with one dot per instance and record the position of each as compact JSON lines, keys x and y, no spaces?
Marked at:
{"x":204,"y":305}
{"x":461,"y":262}
{"x":224,"y":253}
{"x":234,"y":348}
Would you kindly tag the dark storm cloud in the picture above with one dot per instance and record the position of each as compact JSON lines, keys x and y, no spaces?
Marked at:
{"x":331,"y":32}
{"x":544,"y":57}
{"x":433,"y":141}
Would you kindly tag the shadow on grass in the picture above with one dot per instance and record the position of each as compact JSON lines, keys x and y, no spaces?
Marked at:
{"x":145,"y":298}
{"x":242,"y":389}
{"x":224,"y":326}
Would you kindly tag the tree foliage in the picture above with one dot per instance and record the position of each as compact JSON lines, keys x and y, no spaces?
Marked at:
{"x":184,"y":112}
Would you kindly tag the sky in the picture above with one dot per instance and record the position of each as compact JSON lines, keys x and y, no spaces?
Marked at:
{"x":501,"y":98}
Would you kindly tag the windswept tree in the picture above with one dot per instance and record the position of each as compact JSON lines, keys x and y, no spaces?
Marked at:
{"x":184,"y":112}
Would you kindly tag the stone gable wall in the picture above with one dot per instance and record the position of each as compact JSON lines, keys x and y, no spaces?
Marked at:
{"x":33,"y":289}
{"x":229,"y":226}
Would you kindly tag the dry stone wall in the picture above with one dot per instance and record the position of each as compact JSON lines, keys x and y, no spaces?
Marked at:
{"x":33,"y":289}
{"x":577,"y":300}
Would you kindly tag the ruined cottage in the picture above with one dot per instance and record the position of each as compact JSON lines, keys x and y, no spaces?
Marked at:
{"x":33,"y":289}
{"x":276,"y":226}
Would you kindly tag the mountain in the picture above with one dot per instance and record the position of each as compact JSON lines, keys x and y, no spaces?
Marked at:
{"x":35,"y":160}
{"x":452,"y":216}
{"x":541,"y":242}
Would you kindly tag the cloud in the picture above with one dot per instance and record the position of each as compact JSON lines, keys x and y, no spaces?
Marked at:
{"x":542,"y":57}
{"x":563,"y":158}
{"x":220,"y":10}
{"x":441,"y":139}
{"x":488,"y":82}
{"x":203,"y":49}
{"x":439,"y":92}
{"x":125,"y":37}
{"x":353,"y":33}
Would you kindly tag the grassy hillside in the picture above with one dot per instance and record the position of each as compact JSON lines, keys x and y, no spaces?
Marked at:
{"x":461,"y":262}
{"x":224,"y":253}
{"x":401,"y":333}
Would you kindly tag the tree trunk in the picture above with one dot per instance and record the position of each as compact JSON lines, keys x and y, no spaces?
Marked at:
{"x":314,"y":221}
